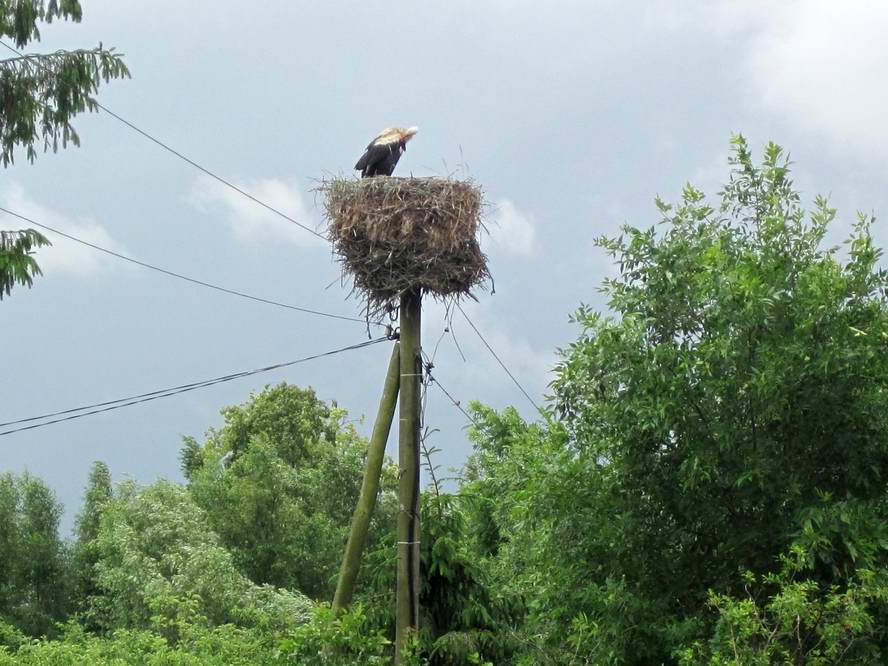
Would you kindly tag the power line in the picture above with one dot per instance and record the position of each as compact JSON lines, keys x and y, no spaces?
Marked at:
{"x":498,"y":359}
{"x":264,"y":205}
{"x":453,"y":400}
{"x":171,"y":150}
{"x":119,"y":403}
{"x":179,"y":275}
{"x":428,"y":366}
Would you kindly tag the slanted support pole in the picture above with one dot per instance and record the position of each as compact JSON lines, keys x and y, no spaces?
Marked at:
{"x":357,"y":537}
{"x":407,"y":620}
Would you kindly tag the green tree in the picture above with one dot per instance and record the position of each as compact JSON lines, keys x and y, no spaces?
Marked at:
{"x":731,"y":410}
{"x":279,"y":482}
{"x":465,"y":616}
{"x":95,"y":498}
{"x":743,"y":381}
{"x":84,"y":554}
{"x":788,"y":618}
{"x":295,"y":421}
{"x":33,"y":587}
{"x":517,"y":488}
{"x":41,"y":94}
{"x":161,"y":567}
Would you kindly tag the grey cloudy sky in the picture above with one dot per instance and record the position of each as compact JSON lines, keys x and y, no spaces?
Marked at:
{"x":572,"y":115}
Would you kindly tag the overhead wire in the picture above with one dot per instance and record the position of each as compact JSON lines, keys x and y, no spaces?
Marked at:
{"x":434,"y":379}
{"x":270,"y":208}
{"x":273,"y":210}
{"x":180,"y":276}
{"x":216,"y":177}
{"x":498,"y":359}
{"x":183,"y":157}
{"x":428,"y":366}
{"x":109,"y":405}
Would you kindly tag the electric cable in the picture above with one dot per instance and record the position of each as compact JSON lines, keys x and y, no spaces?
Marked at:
{"x":109,"y":405}
{"x":498,"y":359}
{"x":180,"y":276}
{"x":180,"y":155}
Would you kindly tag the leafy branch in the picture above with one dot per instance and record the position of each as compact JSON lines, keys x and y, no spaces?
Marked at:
{"x":16,"y":263}
{"x":18,"y":19}
{"x":41,"y":93}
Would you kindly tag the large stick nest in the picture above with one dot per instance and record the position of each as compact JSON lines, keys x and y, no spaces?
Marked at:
{"x":397,"y":234}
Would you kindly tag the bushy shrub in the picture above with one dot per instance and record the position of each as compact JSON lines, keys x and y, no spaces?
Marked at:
{"x":161,"y":567}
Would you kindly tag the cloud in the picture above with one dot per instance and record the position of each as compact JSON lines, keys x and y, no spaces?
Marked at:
{"x":711,"y":177}
{"x":818,"y":65}
{"x":64,"y":256}
{"x":511,"y":229}
{"x":822,"y":65}
{"x":252,"y":222}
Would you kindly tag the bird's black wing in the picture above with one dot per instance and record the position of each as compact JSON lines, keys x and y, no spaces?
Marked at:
{"x":365,"y":158}
{"x":362,"y":163}
{"x":374,"y":154}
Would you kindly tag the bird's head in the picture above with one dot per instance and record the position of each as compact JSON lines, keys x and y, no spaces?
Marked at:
{"x":395,"y":135}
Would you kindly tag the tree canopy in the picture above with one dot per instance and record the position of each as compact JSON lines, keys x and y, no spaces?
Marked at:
{"x":33,"y":592}
{"x":42,"y":93}
{"x":279,"y":482}
{"x":721,"y":432}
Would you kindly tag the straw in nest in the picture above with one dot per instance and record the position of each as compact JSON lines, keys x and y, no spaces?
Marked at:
{"x":397,"y":234}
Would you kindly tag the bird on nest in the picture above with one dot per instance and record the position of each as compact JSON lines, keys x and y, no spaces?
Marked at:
{"x":384,"y":151}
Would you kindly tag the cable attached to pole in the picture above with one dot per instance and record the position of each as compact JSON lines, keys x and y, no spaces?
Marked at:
{"x":180,"y":155}
{"x":180,"y":276}
{"x":499,"y":360}
{"x":109,"y":405}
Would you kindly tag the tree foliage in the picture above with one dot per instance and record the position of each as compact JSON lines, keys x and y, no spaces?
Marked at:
{"x":465,"y":616}
{"x":19,"y":19}
{"x":788,"y":618}
{"x":41,"y":94}
{"x":17,"y":264}
{"x":85,"y":554}
{"x":731,"y":408}
{"x":199,"y":645}
{"x":160,"y":567}
{"x":279,"y":482}
{"x":33,"y":592}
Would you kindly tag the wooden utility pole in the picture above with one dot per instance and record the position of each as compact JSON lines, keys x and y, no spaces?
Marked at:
{"x":357,"y":537}
{"x":422,"y":232}
{"x":408,"y":460}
